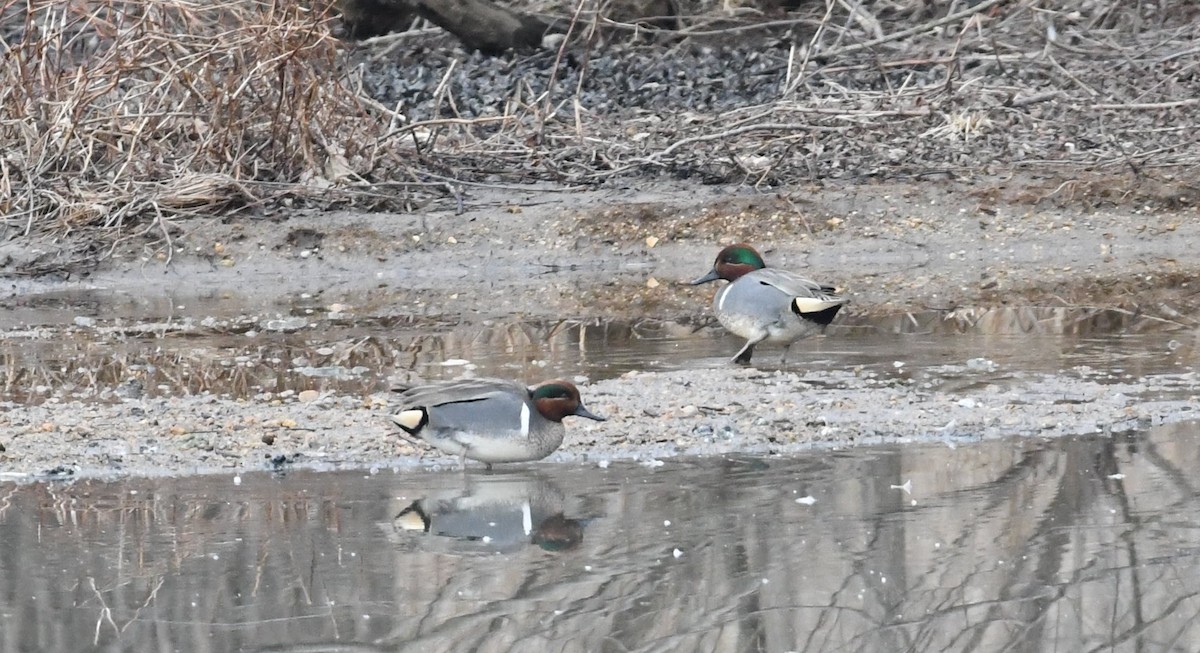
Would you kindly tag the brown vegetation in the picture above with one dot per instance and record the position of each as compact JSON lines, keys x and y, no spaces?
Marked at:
{"x":125,"y":115}
{"x":129,"y":113}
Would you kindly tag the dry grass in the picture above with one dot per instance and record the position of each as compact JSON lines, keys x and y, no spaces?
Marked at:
{"x":120,"y":116}
{"x":124,"y":114}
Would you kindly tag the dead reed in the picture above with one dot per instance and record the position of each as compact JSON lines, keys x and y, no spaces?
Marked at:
{"x":123,"y":114}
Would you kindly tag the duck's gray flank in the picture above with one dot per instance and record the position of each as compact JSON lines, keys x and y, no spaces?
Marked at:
{"x":490,"y":420}
{"x":767,"y":304}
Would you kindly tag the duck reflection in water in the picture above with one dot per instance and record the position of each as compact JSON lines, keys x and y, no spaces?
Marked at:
{"x":488,"y":514}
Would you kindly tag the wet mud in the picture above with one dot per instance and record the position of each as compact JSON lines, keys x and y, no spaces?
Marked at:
{"x":973,"y":315}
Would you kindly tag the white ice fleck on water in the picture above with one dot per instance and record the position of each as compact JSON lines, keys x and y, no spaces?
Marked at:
{"x":907,"y":487}
{"x":677,"y":553}
{"x":808,"y":500}
{"x":1116,"y":477}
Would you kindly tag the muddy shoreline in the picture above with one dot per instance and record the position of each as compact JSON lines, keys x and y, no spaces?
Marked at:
{"x":652,"y":417}
{"x":896,"y":248}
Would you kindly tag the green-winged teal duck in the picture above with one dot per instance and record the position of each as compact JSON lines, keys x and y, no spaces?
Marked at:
{"x":767,"y":304}
{"x":490,"y":420}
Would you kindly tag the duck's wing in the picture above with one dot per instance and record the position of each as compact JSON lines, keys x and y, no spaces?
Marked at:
{"x":470,"y":405}
{"x":795,"y":285}
{"x":462,"y":390}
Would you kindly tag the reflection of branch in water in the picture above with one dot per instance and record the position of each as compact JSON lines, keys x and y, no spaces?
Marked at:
{"x":1168,"y":611}
{"x":1182,"y":480}
{"x":105,"y":613}
{"x":1052,"y":529}
{"x":6,"y":501}
{"x":1106,"y":465}
{"x":1018,"y":479}
{"x":149,"y":599}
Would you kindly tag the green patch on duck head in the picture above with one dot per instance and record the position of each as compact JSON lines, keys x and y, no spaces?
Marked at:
{"x":737,"y":260}
{"x":554,"y":390}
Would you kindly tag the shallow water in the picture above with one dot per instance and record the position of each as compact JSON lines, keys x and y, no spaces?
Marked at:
{"x":1028,"y":545}
{"x":52,"y":346}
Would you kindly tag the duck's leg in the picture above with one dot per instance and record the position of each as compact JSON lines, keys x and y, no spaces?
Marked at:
{"x":743,"y":356}
{"x":786,"y":349}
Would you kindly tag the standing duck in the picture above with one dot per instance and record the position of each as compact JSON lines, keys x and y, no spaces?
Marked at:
{"x":762,"y":303}
{"x":490,"y":420}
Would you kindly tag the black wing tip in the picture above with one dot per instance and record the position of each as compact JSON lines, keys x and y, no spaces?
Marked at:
{"x":822,"y":317}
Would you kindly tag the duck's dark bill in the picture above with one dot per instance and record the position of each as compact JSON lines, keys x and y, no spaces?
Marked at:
{"x":583,"y":412}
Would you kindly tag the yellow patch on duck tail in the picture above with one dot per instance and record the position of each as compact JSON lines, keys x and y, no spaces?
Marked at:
{"x":412,"y":518}
{"x":411,"y":420}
